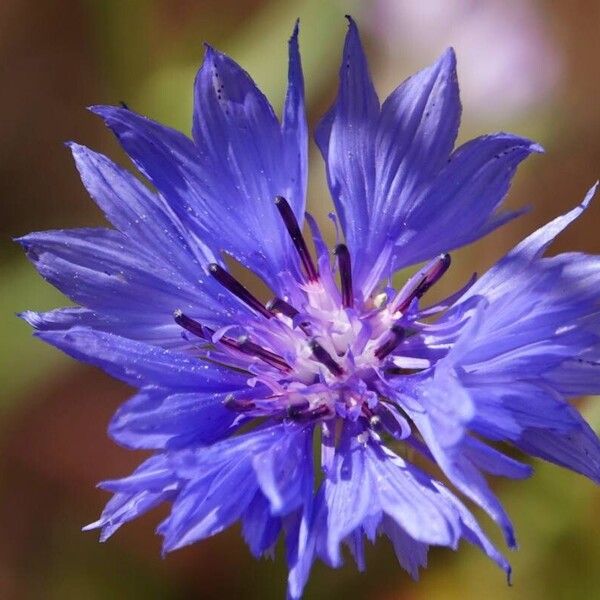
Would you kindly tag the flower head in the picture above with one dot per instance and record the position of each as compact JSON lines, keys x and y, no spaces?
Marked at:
{"x":233,"y":393}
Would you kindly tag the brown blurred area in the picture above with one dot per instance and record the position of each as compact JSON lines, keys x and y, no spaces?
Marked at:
{"x":58,"y":58}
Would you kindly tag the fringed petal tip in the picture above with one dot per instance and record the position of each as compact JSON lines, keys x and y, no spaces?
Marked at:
{"x":589,"y":196}
{"x":30,"y":317}
{"x":294,"y":37}
{"x":92,"y":526}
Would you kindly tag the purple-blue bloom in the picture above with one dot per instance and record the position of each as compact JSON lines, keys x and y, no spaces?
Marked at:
{"x":234,"y":394}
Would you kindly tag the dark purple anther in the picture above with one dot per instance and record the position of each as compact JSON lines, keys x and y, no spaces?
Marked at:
{"x":233,"y":403}
{"x":237,"y":289}
{"x":296,"y":410}
{"x":396,"y":335}
{"x":343,"y":256}
{"x":433,"y":272}
{"x":189,"y":324}
{"x":252,"y":349}
{"x":420,"y":282}
{"x":321,"y":412}
{"x":277,"y":305}
{"x":291,"y":224}
{"x":320,"y":354}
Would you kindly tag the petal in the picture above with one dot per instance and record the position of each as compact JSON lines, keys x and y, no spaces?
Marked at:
{"x":473,"y":533}
{"x":367,"y":481}
{"x":208,"y":505}
{"x":460,"y":204}
{"x":345,"y":137}
{"x":415,"y":135}
{"x":295,"y":127}
{"x":285,"y":471}
{"x":156,"y":419}
{"x":120,"y":282}
{"x":577,"y":449}
{"x":221,"y":484}
{"x":138,"y":213}
{"x":250,"y":158}
{"x":504,"y":412}
{"x":407,"y":495}
{"x":348,"y":496}
{"x":141,"y":364}
{"x":202,"y":194}
{"x":535,"y":245}
{"x":151,"y":484}
{"x":448,"y":453}
{"x":259,"y":527}
{"x":541,"y":316}
{"x":411,"y":555}
{"x":492,"y":461}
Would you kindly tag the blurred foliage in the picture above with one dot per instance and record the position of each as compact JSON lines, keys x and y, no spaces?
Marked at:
{"x":146,"y":52}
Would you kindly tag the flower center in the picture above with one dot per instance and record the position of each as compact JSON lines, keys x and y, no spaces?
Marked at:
{"x":328,"y":355}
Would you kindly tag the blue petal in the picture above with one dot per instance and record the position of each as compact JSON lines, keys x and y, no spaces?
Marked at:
{"x":577,"y":449}
{"x":295,"y":128}
{"x":408,"y":496}
{"x":349,"y":496}
{"x":259,"y":527}
{"x":221,"y":484}
{"x":411,"y":555}
{"x":492,"y":461}
{"x":214,"y":205}
{"x":539,"y":319}
{"x":535,"y":245}
{"x":151,"y":484}
{"x":141,"y":364}
{"x":473,"y":533}
{"x":345,"y":137}
{"x":285,"y":472}
{"x":367,"y":481}
{"x":448,"y":453}
{"x":140,"y":214}
{"x":129,"y":290}
{"x":504,"y":412}
{"x":156,"y":418}
{"x":396,"y":186}
{"x":460,"y":204}
{"x":250,"y":158}
{"x":415,"y":135}
{"x":208,"y":505}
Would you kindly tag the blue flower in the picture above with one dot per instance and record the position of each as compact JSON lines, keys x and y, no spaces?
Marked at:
{"x":234,"y":394}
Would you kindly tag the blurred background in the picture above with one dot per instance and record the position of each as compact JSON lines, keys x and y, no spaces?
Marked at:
{"x":526,"y":66}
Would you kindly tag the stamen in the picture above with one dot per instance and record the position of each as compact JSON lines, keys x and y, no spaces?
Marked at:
{"x":419,"y":283}
{"x":343,"y":256}
{"x":320,"y":354}
{"x":189,"y":324}
{"x":401,"y":371}
{"x":296,"y":410}
{"x":320,"y":412}
{"x":243,"y":344}
{"x":397,"y":334}
{"x":234,"y":403}
{"x":253,"y":349}
{"x":237,"y":289}
{"x":291,"y":224}
{"x":277,"y":305}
